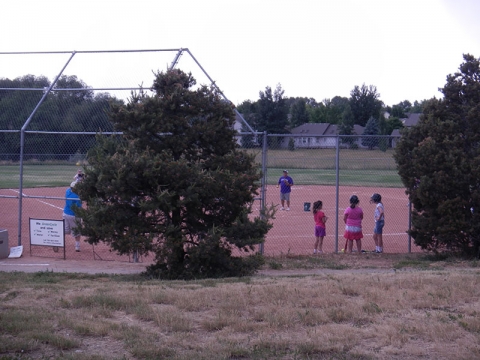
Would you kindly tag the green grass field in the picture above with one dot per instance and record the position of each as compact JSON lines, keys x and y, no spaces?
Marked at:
{"x":306,"y":166}
{"x":374,"y":178}
{"x":317,"y":167}
{"x":37,"y":175}
{"x":325,"y":159}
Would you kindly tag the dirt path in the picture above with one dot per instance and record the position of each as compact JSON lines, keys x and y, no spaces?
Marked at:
{"x":295,"y":266}
{"x":36,"y":264}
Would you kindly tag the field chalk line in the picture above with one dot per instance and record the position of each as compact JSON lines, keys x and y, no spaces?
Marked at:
{"x":43,"y":202}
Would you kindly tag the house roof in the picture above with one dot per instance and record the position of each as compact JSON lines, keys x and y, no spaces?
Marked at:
{"x":358,"y":129}
{"x":396,"y":132}
{"x":323,"y":129}
{"x":311,"y":129}
{"x":411,"y":119}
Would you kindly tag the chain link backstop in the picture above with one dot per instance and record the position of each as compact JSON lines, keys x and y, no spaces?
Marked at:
{"x":47,"y":128}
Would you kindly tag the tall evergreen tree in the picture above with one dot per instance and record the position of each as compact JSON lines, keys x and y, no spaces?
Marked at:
{"x":439,"y":163}
{"x":298,"y":113}
{"x":365,"y":103}
{"x":371,"y":129}
{"x":272,"y":111}
{"x":175,"y":184}
{"x":346,"y":127}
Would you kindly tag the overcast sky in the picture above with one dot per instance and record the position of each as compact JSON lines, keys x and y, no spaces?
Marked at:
{"x":313,"y":48}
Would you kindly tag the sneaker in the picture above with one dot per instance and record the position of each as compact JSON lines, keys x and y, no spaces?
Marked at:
{"x":378,"y":251}
{"x":282,"y":208}
{"x":77,"y":249}
{"x":288,"y":209}
{"x":314,"y":251}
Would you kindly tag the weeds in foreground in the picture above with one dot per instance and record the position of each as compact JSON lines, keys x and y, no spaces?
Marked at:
{"x":332,"y":316}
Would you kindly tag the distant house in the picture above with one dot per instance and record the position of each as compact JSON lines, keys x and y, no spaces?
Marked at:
{"x":317,"y":135}
{"x":412,"y":119}
{"x":310,"y":135}
{"x":238,"y":126}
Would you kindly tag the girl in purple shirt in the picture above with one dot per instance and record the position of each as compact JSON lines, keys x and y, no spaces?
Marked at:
{"x":353,"y":217}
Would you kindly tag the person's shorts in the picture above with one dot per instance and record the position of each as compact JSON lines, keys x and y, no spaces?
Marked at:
{"x":70,"y":224}
{"x":378,"y":229}
{"x":320,"y":231}
{"x":353,"y":233}
{"x":285,"y":196}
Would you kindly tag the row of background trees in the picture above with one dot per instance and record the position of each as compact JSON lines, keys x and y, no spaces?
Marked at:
{"x":61,"y":111}
{"x":86,"y":111}
{"x":277,"y":114}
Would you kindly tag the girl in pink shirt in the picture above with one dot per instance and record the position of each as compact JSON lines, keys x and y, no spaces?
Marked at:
{"x":320,"y":219}
{"x":353,"y":217}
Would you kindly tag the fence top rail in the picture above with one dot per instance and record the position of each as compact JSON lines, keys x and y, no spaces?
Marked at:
{"x":74,"y":132}
{"x":76,"y":89}
{"x":249,"y":133}
{"x":85,"y":51}
{"x":332,"y":135}
{"x":47,"y":197}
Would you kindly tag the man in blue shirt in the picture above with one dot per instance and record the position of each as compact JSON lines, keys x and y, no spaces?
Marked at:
{"x":285,"y":183}
{"x":69,"y":215}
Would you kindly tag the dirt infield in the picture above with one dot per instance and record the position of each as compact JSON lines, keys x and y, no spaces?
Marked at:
{"x":51,"y":209}
{"x":292,"y":231}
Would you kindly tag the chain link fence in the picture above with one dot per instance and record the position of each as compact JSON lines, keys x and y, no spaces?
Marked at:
{"x":331,"y":169}
{"x":47,"y":128}
{"x":48,"y":125}
{"x":329,"y":173}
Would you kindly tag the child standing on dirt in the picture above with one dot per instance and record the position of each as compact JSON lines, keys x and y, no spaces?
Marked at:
{"x":379,"y":217}
{"x":353,"y":217}
{"x":320,"y":220}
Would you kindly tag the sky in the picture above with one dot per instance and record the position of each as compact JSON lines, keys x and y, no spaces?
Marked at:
{"x":313,"y":48}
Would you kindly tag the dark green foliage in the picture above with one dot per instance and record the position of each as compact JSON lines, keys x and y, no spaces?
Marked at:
{"x":383,"y":142}
{"x":439,"y":163}
{"x":418,"y":106}
{"x":175,"y":183}
{"x":346,"y":127}
{"x":371,"y":129}
{"x":298,"y":113}
{"x":272,"y":111}
{"x":328,"y":111}
{"x":61,"y":110}
{"x":400,"y":110}
{"x":365,"y":103}
{"x":247,"y":109}
{"x":392,"y":123}
{"x":291,"y":144}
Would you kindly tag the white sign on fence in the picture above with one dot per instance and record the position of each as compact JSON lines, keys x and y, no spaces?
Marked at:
{"x":47,"y":232}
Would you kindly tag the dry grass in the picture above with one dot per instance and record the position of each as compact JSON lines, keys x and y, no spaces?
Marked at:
{"x":427,"y":314}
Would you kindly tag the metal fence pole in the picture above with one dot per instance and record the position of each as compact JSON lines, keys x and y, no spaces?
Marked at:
{"x":409,"y":226}
{"x":264,"y":182}
{"x":337,"y":187}
{"x":22,"y":145}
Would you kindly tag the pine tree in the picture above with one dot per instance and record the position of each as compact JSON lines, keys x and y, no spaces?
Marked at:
{"x":175,"y":184}
{"x":346,"y":127}
{"x":371,"y":129}
{"x":439,"y":163}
